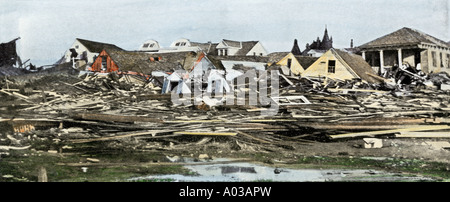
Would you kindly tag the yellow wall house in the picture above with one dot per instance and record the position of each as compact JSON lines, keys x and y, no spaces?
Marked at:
{"x":342,"y":65}
{"x":297,"y":64}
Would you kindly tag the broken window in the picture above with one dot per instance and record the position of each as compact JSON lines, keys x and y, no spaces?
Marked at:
{"x":331,"y":66}
{"x":433,"y":58}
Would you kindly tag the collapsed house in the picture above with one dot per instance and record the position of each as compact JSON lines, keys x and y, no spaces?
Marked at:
{"x":8,"y":54}
{"x":84,"y":52}
{"x":341,"y":65}
{"x":407,"y":45}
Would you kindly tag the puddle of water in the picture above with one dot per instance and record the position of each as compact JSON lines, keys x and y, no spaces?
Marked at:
{"x":222,"y":170}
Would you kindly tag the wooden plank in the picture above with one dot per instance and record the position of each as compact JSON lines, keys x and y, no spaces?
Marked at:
{"x":252,"y":137}
{"x":152,"y":132}
{"x":356,"y":90}
{"x":114,"y":118}
{"x":382,"y":132}
{"x":203,"y":133}
{"x":424,"y":134}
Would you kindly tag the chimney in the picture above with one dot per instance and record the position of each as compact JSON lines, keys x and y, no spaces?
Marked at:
{"x":351,"y":43}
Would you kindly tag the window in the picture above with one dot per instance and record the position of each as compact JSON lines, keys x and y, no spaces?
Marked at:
{"x":145,"y":45}
{"x":151,"y":45}
{"x":331,"y":66}
{"x":441,"y":61}
{"x":177,"y":44}
{"x":448,"y":61}
{"x":77,"y":46}
{"x":104,"y":64}
{"x":289,"y":62}
{"x":260,"y":54}
{"x":226,"y":52}
{"x":433,"y":58}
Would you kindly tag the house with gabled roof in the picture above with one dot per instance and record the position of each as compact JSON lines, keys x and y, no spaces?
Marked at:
{"x":87,"y":50}
{"x":295,"y":63}
{"x":145,"y":63}
{"x":341,"y":65}
{"x":240,"y":48}
{"x":407,"y":45}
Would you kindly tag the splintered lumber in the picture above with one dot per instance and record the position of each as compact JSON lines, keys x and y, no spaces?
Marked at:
{"x":152,"y":132}
{"x":203,"y":133}
{"x":252,"y":137}
{"x":114,"y":118}
{"x":445,"y":134}
{"x":13,"y":148}
{"x":382,"y":132}
{"x":18,"y":95}
{"x":357,"y":90}
{"x":193,"y":121}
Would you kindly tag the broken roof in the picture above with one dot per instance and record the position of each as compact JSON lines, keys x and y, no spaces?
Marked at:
{"x":306,"y":61}
{"x":217,"y":60}
{"x":97,"y":47}
{"x":208,"y":48}
{"x":146,"y":63}
{"x":276,"y":56}
{"x":357,"y":63}
{"x":404,"y":37}
{"x":244,"y":46}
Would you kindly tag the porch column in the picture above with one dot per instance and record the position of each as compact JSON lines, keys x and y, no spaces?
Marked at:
{"x":400,"y":60}
{"x":364,"y":55}
{"x":381,"y":62}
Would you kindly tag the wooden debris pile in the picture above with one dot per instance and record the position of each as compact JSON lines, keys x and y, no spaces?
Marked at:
{"x":123,"y":109}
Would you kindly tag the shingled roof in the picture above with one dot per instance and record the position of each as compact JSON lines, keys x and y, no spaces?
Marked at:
{"x":97,"y":47}
{"x":358,"y":64}
{"x":142,"y":62}
{"x":244,"y":46}
{"x":208,"y":48}
{"x":404,"y":37}
{"x":306,"y":61}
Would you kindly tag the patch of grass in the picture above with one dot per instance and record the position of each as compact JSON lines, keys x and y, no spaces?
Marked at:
{"x":155,"y":180}
{"x":24,"y":166}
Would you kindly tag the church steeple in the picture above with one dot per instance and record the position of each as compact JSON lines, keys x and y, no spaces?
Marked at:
{"x":295,"y":49}
{"x":327,"y":42}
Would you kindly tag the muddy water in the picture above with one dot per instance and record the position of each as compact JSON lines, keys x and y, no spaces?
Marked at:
{"x":221,"y":170}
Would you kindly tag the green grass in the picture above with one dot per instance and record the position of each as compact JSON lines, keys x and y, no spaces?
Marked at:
{"x":24,"y":166}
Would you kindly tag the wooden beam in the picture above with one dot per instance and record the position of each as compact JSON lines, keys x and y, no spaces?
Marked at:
{"x":152,"y":132}
{"x":252,"y":137}
{"x":424,"y":134}
{"x":382,"y":132}
{"x":203,"y":133}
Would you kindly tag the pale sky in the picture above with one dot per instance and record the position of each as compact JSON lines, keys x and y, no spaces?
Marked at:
{"x":49,"y":27}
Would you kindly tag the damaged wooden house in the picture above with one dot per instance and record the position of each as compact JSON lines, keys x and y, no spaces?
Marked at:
{"x":340,"y":65}
{"x":159,"y":68}
{"x":407,"y":45}
{"x":84,"y":52}
{"x":290,"y":64}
